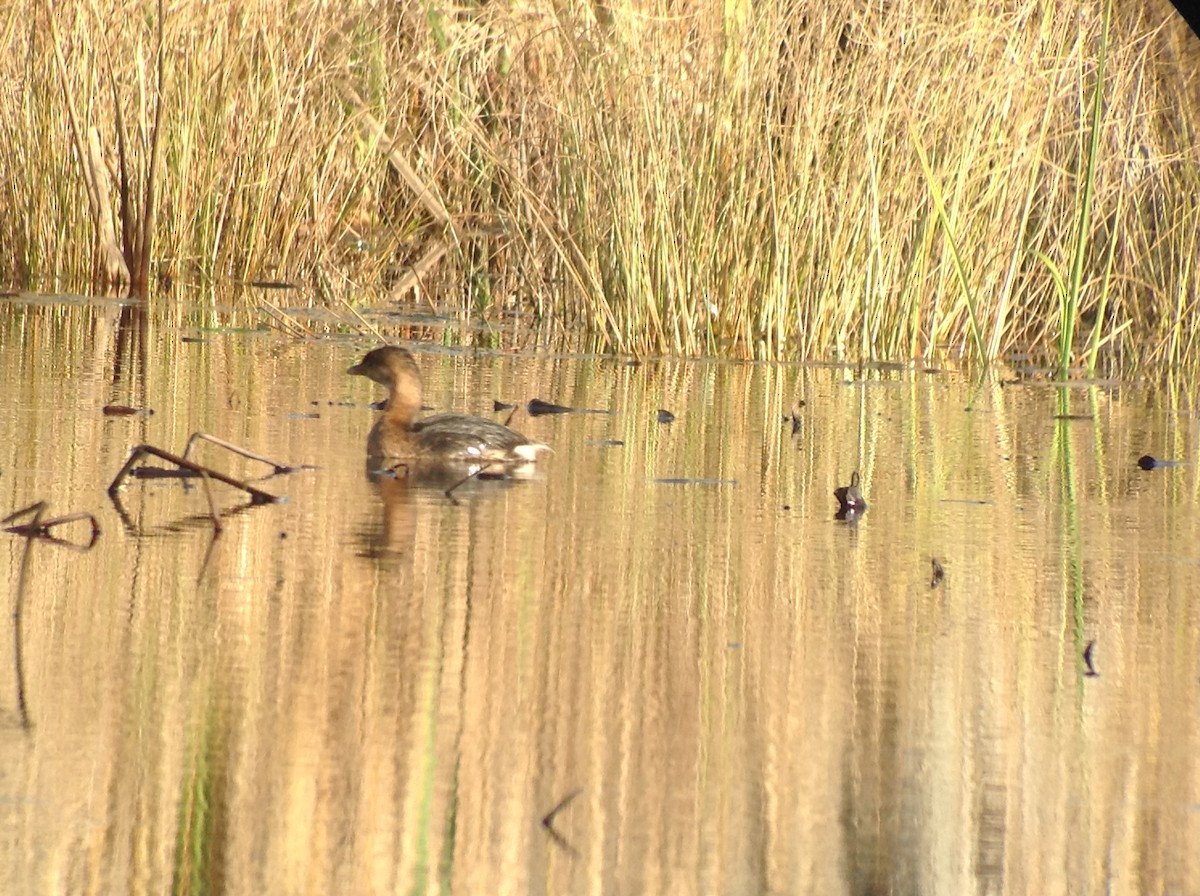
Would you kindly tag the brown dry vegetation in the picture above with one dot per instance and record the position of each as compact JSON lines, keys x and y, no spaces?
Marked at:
{"x":678,"y":177}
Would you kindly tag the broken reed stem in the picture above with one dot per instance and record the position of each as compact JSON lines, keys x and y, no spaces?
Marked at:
{"x":418,"y":271}
{"x":257,"y":496}
{"x":426,"y":194}
{"x":212,"y":504}
{"x":362,"y":321}
{"x":38,"y":527}
{"x":236,"y":449}
{"x":287,"y":325}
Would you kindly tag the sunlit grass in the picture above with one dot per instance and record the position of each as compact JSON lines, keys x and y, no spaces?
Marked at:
{"x":809,"y":180}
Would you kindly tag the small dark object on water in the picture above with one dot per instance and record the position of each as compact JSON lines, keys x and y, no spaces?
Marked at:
{"x":548,"y":822}
{"x":123,"y":410}
{"x":1147,"y":462}
{"x":664,"y":416}
{"x":537,"y":408}
{"x":498,"y":405}
{"x":938,"y":573}
{"x":1087,"y":660}
{"x":850,"y":497}
{"x":1074,"y":417}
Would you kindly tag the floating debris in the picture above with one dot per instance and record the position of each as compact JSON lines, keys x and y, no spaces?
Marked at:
{"x":795,"y":417}
{"x":938,"y":573}
{"x":606,"y":443}
{"x":123,"y":410}
{"x":664,"y":416}
{"x":1087,"y":660}
{"x":850,"y":497}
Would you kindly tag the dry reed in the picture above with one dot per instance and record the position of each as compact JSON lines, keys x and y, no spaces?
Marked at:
{"x":814,"y":180}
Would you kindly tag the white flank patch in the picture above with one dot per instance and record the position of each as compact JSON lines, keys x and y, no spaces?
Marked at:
{"x":530,"y":451}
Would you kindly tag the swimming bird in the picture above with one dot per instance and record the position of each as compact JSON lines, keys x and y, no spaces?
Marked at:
{"x":850,"y":497}
{"x":438,"y":443}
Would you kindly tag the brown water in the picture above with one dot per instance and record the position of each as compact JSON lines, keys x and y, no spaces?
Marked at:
{"x":364,"y":691}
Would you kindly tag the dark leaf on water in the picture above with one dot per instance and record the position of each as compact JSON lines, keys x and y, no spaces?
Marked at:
{"x":537,"y":408}
{"x":122,"y":410}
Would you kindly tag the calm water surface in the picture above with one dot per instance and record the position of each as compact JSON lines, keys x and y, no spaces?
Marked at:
{"x":367,"y":690}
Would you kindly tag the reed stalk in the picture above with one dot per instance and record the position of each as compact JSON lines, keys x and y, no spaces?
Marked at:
{"x":1070,"y":294}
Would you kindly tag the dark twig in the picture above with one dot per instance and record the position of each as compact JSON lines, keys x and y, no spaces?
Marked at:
{"x":212,"y":504}
{"x":472,"y":475}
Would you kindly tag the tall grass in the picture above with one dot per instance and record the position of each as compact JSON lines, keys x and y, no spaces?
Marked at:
{"x":810,"y":180}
